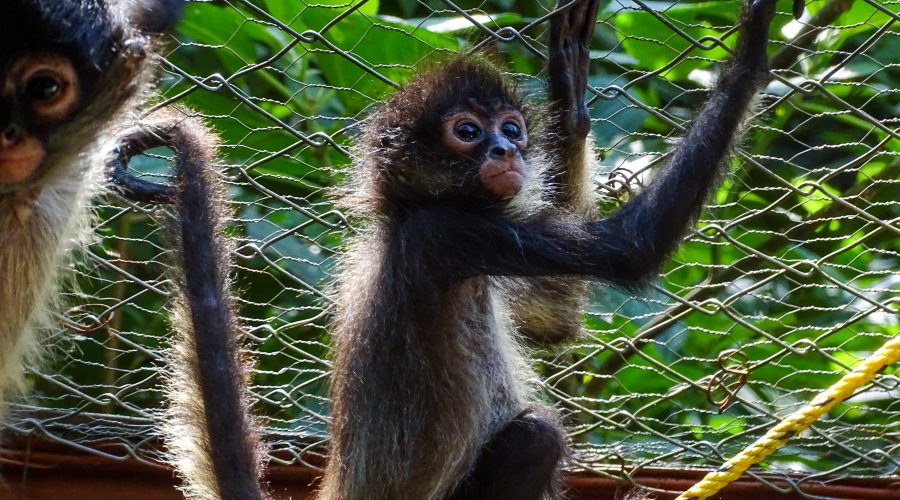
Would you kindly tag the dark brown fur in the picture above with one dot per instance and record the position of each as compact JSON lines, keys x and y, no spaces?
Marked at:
{"x":110,"y":47}
{"x":212,"y":439}
{"x":432,"y":394}
{"x":458,"y":344}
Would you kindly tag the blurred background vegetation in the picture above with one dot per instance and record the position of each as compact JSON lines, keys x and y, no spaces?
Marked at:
{"x":790,"y":278}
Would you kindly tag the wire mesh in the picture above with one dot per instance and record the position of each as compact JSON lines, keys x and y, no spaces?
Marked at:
{"x":789,"y":279}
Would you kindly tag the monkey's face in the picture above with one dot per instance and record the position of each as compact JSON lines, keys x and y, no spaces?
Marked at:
{"x":491,"y":142}
{"x":457,"y":134}
{"x":38,"y":92}
{"x":67,"y":67}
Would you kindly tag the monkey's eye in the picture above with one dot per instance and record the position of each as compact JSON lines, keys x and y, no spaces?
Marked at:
{"x":467,"y":131}
{"x":43,"y":88}
{"x":511,"y":130}
{"x":48,"y":84}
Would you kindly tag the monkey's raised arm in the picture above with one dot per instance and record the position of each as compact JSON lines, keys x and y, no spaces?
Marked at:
{"x":651,"y":225}
{"x":570,"y":122}
{"x":548,"y":309}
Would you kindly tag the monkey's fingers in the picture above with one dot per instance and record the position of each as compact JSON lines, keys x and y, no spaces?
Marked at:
{"x":759,"y":13}
{"x":589,"y":20}
{"x":799,"y":6}
{"x":559,"y":23}
{"x":753,"y":38}
{"x":571,"y":31}
{"x":578,"y":19}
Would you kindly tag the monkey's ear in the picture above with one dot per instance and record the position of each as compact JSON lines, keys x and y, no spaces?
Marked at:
{"x":155,"y":16}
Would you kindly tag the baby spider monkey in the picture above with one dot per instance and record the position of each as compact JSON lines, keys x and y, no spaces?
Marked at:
{"x":477,"y":231}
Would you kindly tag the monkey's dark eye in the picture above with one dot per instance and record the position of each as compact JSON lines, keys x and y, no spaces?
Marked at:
{"x":511,"y":130}
{"x":467,"y":131}
{"x":42,"y":88}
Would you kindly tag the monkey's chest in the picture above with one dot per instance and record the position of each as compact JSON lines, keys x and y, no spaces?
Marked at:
{"x":474,"y":316}
{"x":490,"y":365}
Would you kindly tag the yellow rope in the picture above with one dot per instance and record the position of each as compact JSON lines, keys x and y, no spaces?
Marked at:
{"x":795,"y":423}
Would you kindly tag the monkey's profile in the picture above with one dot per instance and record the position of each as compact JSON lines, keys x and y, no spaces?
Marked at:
{"x":476,"y":229}
{"x":70,"y":72}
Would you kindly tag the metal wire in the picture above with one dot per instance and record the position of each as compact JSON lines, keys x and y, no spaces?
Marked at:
{"x":789,"y":280}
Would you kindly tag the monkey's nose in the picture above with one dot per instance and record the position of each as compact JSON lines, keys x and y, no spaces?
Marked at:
{"x":10,"y":136}
{"x":499,"y":152}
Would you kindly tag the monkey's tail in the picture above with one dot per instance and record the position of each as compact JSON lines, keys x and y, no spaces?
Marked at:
{"x":212,"y":439}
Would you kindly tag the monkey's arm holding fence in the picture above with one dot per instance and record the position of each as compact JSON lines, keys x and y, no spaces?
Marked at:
{"x":629,"y":247}
{"x":548,"y":309}
{"x":651,"y":225}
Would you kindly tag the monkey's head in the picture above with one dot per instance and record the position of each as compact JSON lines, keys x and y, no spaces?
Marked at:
{"x":457,"y":133}
{"x":66,"y":68}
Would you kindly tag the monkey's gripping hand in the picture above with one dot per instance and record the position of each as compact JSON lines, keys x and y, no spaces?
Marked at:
{"x":571,"y":31}
{"x":753,"y":39}
{"x":754,"y":35}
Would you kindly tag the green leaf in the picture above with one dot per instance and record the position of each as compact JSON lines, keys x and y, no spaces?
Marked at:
{"x":654,"y":45}
{"x":385,"y":47}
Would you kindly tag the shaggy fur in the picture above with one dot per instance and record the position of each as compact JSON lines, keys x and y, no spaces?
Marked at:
{"x":45,"y":216}
{"x":432,"y":394}
{"x":454,"y":345}
{"x":212,"y":440}
{"x":425,"y":372}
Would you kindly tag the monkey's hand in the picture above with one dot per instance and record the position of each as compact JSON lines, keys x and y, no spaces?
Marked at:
{"x":753,"y":39}
{"x":570,"y":38}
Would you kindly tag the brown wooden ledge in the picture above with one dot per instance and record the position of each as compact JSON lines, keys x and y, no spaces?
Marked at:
{"x":37,"y":469}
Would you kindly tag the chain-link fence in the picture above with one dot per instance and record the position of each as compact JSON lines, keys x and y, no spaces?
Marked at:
{"x":791,"y":277}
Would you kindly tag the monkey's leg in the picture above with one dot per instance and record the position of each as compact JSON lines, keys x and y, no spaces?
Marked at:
{"x":548,"y":309}
{"x":520,"y":462}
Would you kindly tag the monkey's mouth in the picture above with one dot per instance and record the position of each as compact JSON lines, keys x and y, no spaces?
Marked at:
{"x":502,"y":178}
{"x":16,"y":169}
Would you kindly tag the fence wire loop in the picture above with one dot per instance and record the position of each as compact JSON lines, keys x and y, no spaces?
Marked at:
{"x":731,"y":377}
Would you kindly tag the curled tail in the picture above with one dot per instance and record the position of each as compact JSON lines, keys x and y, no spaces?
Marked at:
{"x":212,"y":440}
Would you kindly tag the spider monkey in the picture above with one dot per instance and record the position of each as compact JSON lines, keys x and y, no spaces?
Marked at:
{"x":71,"y":72}
{"x":477,"y":228}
